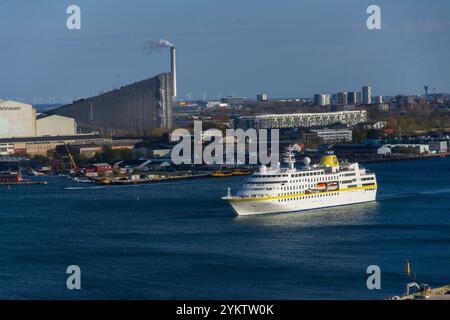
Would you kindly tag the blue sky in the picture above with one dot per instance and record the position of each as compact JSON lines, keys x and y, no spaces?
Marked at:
{"x":287,"y":48}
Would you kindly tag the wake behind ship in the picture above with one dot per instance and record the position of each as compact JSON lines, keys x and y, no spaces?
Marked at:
{"x":327,"y":184}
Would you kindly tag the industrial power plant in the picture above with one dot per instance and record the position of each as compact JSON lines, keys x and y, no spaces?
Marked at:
{"x":134,"y":109}
{"x":137,"y":108}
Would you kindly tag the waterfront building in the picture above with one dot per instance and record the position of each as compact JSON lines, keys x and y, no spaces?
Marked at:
{"x":19,"y":120}
{"x":89,"y":150}
{"x":384,"y":151}
{"x":42,"y":145}
{"x":417,"y":147}
{"x":379,"y":99}
{"x":98,"y":169}
{"x":358,"y":97}
{"x":384,"y":107}
{"x":334,"y":98}
{"x":55,"y":126}
{"x":160,"y":153}
{"x":6,"y":148}
{"x":263,"y":97}
{"x":438,"y":146}
{"x":321,"y":99}
{"x":343,"y":98}
{"x":233,"y":101}
{"x":379,"y":125}
{"x":300,"y":120}
{"x":334,"y":135}
{"x":352,"y":97}
{"x":367,"y":95}
{"x":8,"y":163}
{"x":355,"y":150}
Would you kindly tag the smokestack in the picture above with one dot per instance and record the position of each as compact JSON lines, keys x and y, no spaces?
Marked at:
{"x":173,"y":62}
{"x":152,"y":46}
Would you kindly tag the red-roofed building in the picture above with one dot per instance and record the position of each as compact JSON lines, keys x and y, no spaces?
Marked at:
{"x":98,"y":169}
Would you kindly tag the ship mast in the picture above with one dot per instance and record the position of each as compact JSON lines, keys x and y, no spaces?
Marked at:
{"x":289,"y":158}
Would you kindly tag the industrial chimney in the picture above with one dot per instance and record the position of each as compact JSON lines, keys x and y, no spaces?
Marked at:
{"x":173,"y":60}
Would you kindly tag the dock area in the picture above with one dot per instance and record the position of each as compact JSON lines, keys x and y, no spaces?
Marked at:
{"x":154,"y":179}
{"x":441,"y":293}
{"x":23,"y":183}
{"x":16,"y":179}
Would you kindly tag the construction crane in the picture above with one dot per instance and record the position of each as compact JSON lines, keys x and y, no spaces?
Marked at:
{"x":73,"y":165}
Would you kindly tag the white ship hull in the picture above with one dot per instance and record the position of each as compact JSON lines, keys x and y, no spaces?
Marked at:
{"x":244,"y":207}
{"x":328,"y":184}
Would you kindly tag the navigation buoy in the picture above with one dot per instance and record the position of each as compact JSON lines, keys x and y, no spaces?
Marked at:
{"x":408,"y":267}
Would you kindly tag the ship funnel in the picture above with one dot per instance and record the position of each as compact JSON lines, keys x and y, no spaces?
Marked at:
{"x":173,"y":63}
{"x":329,"y":160}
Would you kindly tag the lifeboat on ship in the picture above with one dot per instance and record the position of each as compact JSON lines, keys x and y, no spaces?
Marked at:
{"x":332,"y":186}
{"x":321,"y":186}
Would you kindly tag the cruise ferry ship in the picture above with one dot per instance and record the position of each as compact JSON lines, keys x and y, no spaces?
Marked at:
{"x":327,"y":184}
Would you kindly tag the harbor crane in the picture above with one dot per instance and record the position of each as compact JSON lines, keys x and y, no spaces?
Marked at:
{"x":73,"y":165}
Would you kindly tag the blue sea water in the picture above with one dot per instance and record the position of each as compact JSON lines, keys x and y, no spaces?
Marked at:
{"x":180,"y":241}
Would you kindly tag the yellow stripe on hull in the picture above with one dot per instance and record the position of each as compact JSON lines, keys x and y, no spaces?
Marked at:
{"x":298,"y":195}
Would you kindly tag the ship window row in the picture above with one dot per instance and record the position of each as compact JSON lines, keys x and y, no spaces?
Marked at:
{"x":296,"y":191}
{"x":299,"y":187}
{"x":322,"y":179}
{"x":309,"y":197}
{"x":272,"y":176}
{"x":349,"y":174}
{"x":367,"y":179}
{"x":307,"y":174}
{"x":368,"y":184}
{"x":257,"y":189}
{"x":266,"y":182}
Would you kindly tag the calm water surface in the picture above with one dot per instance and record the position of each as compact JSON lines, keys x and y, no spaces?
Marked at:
{"x":180,"y":241}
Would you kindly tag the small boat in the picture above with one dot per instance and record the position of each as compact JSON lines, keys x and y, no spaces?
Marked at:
{"x":222,"y":174}
{"x":35,"y":173}
{"x":104,"y":181}
{"x":81,"y":180}
{"x":238,"y":172}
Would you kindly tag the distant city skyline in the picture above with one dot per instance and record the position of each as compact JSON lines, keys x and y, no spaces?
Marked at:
{"x":286,"y":49}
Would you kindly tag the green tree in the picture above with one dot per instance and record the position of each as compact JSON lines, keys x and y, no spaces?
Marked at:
{"x":359,"y":135}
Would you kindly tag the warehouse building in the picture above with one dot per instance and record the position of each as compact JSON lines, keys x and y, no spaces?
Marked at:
{"x":330,"y":135}
{"x":17,"y":119}
{"x":300,"y":120}
{"x":438,"y":146}
{"x":6,"y":149}
{"x":89,"y":150}
{"x":33,"y":146}
{"x":55,"y":126}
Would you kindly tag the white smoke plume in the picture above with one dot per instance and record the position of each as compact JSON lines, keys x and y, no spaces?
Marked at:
{"x":152,"y":46}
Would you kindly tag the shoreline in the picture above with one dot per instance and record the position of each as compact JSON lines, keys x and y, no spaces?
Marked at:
{"x":407,"y":158}
{"x":24,"y":183}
